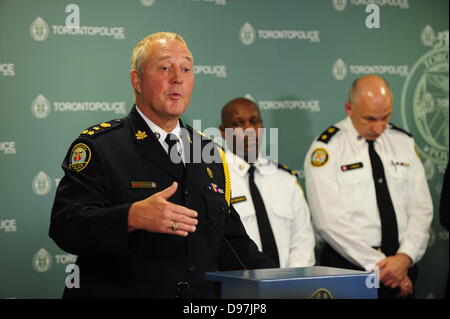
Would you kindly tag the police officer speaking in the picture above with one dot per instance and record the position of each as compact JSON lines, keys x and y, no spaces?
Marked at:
{"x":144,"y":218}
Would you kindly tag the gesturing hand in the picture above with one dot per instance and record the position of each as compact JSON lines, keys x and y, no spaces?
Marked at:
{"x":156,"y":214}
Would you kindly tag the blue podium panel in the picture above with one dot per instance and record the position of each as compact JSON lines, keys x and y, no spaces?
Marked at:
{"x":298,"y":283}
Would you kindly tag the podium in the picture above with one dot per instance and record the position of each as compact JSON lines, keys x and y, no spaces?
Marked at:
{"x":296,"y":283}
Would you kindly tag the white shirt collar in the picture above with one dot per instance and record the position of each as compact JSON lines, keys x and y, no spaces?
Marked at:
{"x":350,"y":128}
{"x":354,"y":135}
{"x":262,"y":164}
{"x":159,"y":133}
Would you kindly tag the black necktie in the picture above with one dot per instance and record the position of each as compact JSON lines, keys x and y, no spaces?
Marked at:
{"x":269,"y":247}
{"x":171,"y":140}
{"x":389,"y":230}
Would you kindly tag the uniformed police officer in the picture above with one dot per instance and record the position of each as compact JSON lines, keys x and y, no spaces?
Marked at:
{"x":145,"y":219}
{"x":367,"y":191}
{"x":281,"y":196}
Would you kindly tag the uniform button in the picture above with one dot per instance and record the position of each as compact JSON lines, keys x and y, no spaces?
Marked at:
{"x":191,"y":269}
{"x":186,"y":192}
{"x":223,"y":208}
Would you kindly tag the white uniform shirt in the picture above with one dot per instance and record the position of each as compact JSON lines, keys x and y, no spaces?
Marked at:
{"x":342,"y":196}
{"x":286,"y":208}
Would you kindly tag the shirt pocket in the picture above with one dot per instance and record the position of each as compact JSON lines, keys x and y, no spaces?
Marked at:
{"x":215,"y":201}
{"x":398,"y":169}
{"x":354,"y":176}
{"x":283,"y":216}
{"x":354,"y":183}
{"x":216,"y":207}
{"x":244,"y":207}
{"x":398,"y":176}
{"x":215,"y":214}
{"x":131,"y":195}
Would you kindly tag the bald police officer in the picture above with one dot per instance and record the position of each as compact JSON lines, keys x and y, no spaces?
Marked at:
{"x":368,"y":193}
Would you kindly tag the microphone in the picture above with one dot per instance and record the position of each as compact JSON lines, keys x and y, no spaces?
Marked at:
{"x":233,"y":252}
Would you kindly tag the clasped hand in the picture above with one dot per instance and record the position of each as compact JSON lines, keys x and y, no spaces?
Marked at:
{"x":394,"y":273}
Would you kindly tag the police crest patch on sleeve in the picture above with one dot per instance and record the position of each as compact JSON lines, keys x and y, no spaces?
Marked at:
{"x":80,"y":157}
{"x":319,"y":157}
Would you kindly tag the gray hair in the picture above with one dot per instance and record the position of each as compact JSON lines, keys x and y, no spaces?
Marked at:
{"x":139,"y":54}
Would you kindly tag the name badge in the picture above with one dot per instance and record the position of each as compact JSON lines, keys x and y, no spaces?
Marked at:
{"x":349,"y":167}
{"x":238,"y":199}
{"x":143,"y":184}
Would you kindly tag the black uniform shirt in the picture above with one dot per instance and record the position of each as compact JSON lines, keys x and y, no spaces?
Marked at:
{"x":110,"y":166}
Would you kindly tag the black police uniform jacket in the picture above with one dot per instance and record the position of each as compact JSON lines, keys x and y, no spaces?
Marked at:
{"x":114,"y":164}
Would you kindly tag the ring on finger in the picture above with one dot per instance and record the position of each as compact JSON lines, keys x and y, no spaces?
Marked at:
{"x":174,"y":226}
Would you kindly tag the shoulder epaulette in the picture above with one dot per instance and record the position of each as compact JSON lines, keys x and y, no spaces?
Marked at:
{"x":395,"y":127}
{"x":326,"y":136}
{"x":287,"y":169}
{"x":192,"y":130}
{"x":204,"y":137}
{"x":96,"y":130}
{"x":200,"y":133}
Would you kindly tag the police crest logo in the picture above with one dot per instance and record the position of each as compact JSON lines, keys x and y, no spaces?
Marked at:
{"x":339,"y":5}
{"x":41,"y":184}
{"x":319,"y":157}
{"x":42,"y":260}
{"x":321,"y":293}
{"x":428,"y":36}
{"x":339,"y":70}
{"x":424,"y":103}
{"x":148,"y":3}
{"x":40,"y":107}
{"x":247,"y":34}
{"x":39,"y":29}
{"x":80,"y":157}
